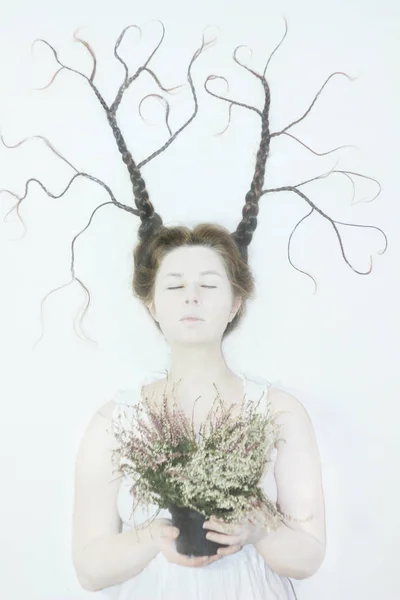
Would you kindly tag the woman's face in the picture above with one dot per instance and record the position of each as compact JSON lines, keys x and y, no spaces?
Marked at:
{"x":182,"y":288}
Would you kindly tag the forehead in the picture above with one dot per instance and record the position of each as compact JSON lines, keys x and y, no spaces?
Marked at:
{"x":191,"y":260}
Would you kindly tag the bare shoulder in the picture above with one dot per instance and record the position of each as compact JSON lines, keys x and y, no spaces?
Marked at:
{"x":281,"y":400}
{"x":290,"y":413}
{"x":101,"y":422}
{"x":106,"y":410}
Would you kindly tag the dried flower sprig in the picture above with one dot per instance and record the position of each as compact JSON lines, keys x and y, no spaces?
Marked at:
{"x":216,"y":472}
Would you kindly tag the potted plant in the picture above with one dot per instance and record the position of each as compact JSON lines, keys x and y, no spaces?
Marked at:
{"x":215,"y":472}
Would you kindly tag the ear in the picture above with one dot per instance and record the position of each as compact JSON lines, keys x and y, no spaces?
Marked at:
{"x":235,"y":307}
{"x":151,"y":310}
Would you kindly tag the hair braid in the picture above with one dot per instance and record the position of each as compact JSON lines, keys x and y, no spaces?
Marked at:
{"x":150,"y":219}
{"x":244,"y":231}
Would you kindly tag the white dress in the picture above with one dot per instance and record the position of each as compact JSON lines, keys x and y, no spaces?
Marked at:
{"x":240,"y":576}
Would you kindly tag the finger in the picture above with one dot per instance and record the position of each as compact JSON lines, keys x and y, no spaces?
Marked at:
{"x":230,"y":550}
{"x":222,"y":527}
{"x":222,"y":538}
{"x":198,"y":561}
{"x":169,"y":544}
{"x":170,"y":532}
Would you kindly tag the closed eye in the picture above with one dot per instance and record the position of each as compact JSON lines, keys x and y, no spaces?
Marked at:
{"x":180,"y":286}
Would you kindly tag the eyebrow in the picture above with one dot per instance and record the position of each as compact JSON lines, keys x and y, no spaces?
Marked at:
{"x":201,"y":273}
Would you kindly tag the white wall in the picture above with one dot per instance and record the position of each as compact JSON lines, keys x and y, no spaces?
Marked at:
{"x":337,"y":350}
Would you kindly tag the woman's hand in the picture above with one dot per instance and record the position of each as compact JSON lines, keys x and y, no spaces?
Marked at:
{"x":166,"y":535}
{"x":235,"y":535}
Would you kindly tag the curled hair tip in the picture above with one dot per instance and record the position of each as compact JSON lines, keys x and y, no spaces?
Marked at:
{"x":34,"y":43}
{"x":152,"y":21}
{"x":74,"y":35}
{"x":242,"y":46}
{"x":214,"y":39}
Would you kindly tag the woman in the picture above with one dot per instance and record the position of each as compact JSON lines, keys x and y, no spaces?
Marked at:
{"x":195,"y":278}
{"x":202,"y":273}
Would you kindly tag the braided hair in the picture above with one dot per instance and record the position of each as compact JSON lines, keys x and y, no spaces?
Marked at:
{"x":154,"y":239}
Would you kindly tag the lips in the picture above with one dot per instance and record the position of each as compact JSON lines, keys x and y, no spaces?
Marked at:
{"x":191,"y":318}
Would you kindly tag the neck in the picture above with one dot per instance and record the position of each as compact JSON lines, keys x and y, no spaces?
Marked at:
{"x":199,"y":367}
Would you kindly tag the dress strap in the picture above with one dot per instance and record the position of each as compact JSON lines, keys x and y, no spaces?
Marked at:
{"x":130,"y":396}
{"x":257,"y":388}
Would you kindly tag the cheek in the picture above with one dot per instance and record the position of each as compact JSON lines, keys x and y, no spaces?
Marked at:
{"x":168,"y":306}
{"x":219,"y":310}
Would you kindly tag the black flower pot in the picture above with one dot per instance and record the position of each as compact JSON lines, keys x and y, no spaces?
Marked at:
{"x":192,"y":537}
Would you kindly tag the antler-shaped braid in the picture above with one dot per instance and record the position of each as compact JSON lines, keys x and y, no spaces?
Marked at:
{"x":141,"y":195}
{"x":151,"y":221}
{"x":245,"y":229}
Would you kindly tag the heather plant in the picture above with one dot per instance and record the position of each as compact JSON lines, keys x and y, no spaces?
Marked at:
{"x":169,"y":463}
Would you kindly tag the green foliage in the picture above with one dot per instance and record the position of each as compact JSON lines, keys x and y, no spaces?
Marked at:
{"x":216,"y":471}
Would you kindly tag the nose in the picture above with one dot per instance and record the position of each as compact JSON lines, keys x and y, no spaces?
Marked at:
{"x":192,"y":295}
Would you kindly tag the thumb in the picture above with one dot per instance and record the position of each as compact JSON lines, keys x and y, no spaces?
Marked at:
{"x":170,"y":531}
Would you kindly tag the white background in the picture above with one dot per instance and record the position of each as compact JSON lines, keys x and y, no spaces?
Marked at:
{"x":337,"y":350}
